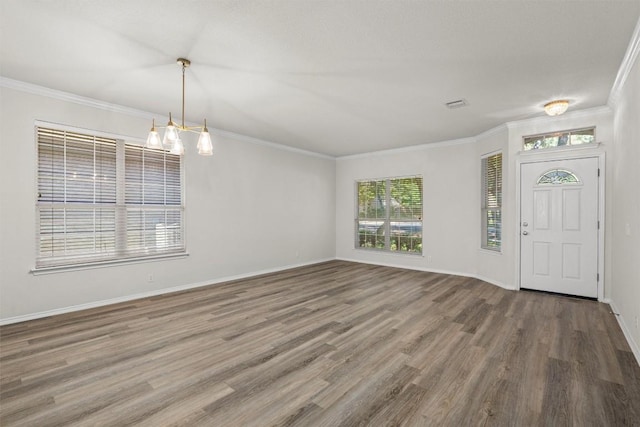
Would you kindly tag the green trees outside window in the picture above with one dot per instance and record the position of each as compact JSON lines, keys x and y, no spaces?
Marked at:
{"x":390,"y":214}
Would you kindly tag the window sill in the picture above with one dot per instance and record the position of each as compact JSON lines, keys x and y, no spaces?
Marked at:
{"x":386,"y":252}
{"x":558,"y":151}
{"x":102,"y":264}
{"x":490,"y":251}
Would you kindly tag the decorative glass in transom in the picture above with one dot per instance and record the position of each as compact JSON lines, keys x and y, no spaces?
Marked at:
{"x":558,"y":176}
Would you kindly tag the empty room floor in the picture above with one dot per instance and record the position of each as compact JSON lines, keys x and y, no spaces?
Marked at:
{"x":336,"y":343}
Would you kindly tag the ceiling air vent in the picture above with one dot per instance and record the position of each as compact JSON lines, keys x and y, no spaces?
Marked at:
{"x":457,"y":104}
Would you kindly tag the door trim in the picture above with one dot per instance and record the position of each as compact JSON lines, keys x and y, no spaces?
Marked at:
{"x":580,"y":152}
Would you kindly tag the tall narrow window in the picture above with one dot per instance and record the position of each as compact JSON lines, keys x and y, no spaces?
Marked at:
{"x":101,"y":199}
{"x":390,"y":214}
{"x":492,"y":202}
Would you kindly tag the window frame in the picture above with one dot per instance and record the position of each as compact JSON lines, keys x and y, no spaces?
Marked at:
{"x":120,"y":254}
{"x":388,"y":217}
{"x":487,"y":243}
{"x":568,"y":132}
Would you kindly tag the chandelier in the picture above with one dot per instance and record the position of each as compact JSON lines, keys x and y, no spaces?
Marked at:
{"x":171,"y":139}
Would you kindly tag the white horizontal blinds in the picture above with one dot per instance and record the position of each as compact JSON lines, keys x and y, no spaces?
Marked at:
{"x":101,"y":199}
{"x":153,"y":198}
{"x":372,"y":214}
{"x":372,"y":199}
{"x":405,"y":212}
{"x":406,"y":199}
{"x":492,"y":202}
{"x":390,"y":214}
{"x":76,"y":197}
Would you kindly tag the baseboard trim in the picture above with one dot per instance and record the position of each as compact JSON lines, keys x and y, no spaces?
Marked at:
{"x":434,"y":270}
{"x":496,"y":283}
{"x":635,"y":349}
{"x":102,"y":303}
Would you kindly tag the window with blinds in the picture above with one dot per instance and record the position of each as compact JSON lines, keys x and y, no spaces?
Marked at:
{"x":102,"y":199}
{"x":492,"y":202}
{"x":390,"y":214}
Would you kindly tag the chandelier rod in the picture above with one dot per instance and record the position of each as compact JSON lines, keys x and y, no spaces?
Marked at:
{"x":185,"y":63}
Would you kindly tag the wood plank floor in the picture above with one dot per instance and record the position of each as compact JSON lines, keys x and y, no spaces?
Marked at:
{"x":331,"y":344}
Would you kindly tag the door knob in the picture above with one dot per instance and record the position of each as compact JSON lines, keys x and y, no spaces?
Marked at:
{"x":525,"y":233}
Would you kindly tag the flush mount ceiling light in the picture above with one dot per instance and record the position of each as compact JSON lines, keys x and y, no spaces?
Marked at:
{"x":171,"y":139}
{"x":555,"y":108}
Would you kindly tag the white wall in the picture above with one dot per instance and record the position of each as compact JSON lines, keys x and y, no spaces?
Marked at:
{"x":625,"y":221}
{"x":249,"y":208}
{"x":451,"y":196}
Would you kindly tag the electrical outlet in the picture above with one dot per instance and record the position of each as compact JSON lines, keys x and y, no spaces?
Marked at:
{"x":428,"y":258}
{"x":150,"y":278}
{"x":636,"y":322}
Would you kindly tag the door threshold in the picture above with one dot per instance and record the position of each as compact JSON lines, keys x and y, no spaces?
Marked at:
{"x":560,"y":294}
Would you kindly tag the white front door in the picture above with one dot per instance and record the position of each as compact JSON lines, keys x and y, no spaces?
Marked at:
{"x":559,"y":226}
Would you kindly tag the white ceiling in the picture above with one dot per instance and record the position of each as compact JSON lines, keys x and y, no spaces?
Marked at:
{"x":333,"y":77}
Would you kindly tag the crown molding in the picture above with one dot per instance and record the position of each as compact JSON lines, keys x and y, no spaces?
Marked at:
{"x":258,"y":141}
{"x":493,"y":131}
{"x":587,"y":112}
{"x":409,"y":148}
{"x":625,"y":67}
{"x":115,"y":108}
{"x":70,"y":97}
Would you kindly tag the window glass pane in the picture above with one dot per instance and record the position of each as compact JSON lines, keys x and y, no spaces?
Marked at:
{"x":549,"y":141}
{"x":52,"y":232}
{"x":406,"y":236}
{"x":102,"y":199}
{"x":390,"y":214}
{"x":105,"y":173}
{"x":134,"y":177}
{"x":585,"y":136}
{"x":559,"y":139}
{"x":169,"y":234}
{"x":531,"y":143}
{"x":150,"y":230}
{"x":154,"y":182}
{"x":84,"y":233}
{"x":105,"y":220}
{"x":494,"y":228}
{"x":51,"y":166}
{"x":406,"y":199}
{"x":558,"y":176}
{"x":492,"y":202}
{"x":371,"y":234}
{"x":141,"y":229}
{"x":372,"y":199}
{"x":153,"y":177}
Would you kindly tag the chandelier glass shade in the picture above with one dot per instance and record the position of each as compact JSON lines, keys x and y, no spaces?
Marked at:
{"x":171,"y":139}
{"x":555,"y":108}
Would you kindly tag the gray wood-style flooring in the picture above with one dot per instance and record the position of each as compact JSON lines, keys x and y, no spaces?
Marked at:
{"x":331,"y":344}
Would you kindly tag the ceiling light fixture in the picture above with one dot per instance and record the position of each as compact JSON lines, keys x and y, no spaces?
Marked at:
{"x":171,"y":139}
{"x":555,"y":108}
